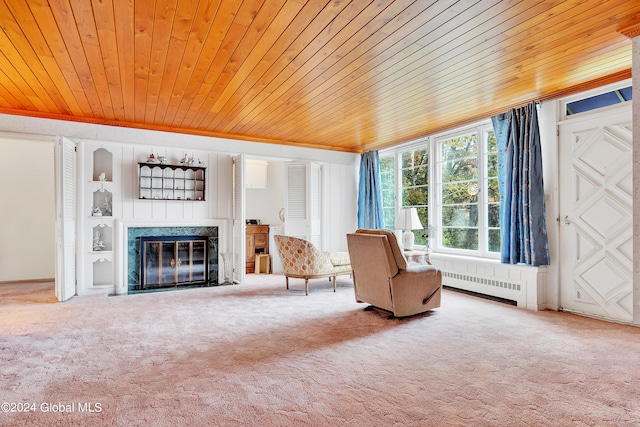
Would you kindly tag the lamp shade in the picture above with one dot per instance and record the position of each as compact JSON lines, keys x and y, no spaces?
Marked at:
{"x":408,"y":219}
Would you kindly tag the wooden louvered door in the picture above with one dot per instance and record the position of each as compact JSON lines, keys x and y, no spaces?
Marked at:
{"x":596,"y":240}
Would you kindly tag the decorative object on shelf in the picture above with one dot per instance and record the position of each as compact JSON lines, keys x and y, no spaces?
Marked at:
{"x":188,"y":161}
{"x":408,"y":220}
{"x":162,"y":160}
{"x":98,"y":243}
{"x":107,"y":205}
{"x":151,"y":158}
{"x":96,"y":211}
{"x":102,"y":177}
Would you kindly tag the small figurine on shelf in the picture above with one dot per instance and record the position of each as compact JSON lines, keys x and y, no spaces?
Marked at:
{"x":184,"y":160}
{"x":107,"y":206}
{"x":162,"y":160}
{"x":151,"y":158}
{"x":95,"y":211}
{"x":98,"y":243}
{"x":102,"y":177}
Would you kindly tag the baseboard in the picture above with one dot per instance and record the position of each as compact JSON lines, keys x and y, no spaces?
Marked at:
{"x":7,"y":282}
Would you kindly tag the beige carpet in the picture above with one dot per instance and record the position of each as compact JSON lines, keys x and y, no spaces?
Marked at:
{"x":257,"y":354}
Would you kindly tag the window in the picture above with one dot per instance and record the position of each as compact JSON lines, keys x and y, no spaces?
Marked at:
{"x":452,"y":181}
{"x":599,"y":101}
{"x":415,"y":186}
{"x":468,"y":198}
{"x":387,"y":176}
{"x":458,"y":188}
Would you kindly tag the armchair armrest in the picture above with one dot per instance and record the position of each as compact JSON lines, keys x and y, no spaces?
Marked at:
{"x":416,"y":287}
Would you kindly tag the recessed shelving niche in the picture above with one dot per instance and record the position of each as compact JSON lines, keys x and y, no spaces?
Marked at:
{"x":102,"y":164}
{"x":102,"y":203}
{"x":102,"y":238}
{"x":102,"y":272}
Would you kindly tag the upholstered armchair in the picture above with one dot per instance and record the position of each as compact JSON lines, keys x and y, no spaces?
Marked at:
{"x":301,"y":259}
{"x":382,"y":278}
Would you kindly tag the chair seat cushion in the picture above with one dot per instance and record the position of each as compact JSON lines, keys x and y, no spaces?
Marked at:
{"x":339,"y":258}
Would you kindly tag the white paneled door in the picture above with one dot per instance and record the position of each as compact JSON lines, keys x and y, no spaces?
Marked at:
{"x":596,"y":240}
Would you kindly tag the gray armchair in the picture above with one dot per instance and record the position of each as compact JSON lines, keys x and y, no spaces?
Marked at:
{"x":382,"y":278}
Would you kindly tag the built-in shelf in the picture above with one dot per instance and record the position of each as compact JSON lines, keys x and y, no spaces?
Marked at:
{"x":171,"y":182}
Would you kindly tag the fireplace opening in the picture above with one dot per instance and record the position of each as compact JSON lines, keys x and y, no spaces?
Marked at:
{"x":171,"y":261}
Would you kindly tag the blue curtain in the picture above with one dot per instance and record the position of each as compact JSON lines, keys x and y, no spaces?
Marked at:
{"x":523,"y":229}
{"x":370,"y":214}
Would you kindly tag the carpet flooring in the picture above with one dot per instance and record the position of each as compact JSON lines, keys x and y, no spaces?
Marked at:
{"x":258,"y":354}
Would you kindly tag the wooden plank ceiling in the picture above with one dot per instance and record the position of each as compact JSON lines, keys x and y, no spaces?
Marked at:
{"x":340,"y":75}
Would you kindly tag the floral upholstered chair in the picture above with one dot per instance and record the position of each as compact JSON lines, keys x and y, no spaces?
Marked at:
{"x":300,"y":259}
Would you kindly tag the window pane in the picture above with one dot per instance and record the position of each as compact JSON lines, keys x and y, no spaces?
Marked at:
{"x":387,"y":177}
{"x":492,"y":166}
{"x":389,"y":218}
{"x":464,"y":192}
{"x":415,"y":158}
{"x":415,"y":196}
{"x":415,"y":176}
{"x":386,"y":163}
{"x":494,"y":191}
{"x":463,"y":146}
{"x":492,"y":143}
{"x":460,"y":170}
{"x":460,"y":216}
{"x":460,"y":238}
{"x":494,"y":240}
{"x":494,"y":215}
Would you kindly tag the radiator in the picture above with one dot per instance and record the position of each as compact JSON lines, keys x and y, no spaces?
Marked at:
{"x":523,"y":284}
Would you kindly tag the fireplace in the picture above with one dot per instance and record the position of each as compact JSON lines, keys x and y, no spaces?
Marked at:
{"x":169,"y":257}
{"x":168,"y":261}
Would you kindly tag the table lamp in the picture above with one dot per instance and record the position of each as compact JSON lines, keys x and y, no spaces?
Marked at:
{"x":408,"y":220}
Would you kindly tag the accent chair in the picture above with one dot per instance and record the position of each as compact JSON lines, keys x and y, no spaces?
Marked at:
{"x":301,"y":259}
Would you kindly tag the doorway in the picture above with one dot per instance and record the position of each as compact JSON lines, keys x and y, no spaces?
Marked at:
{"x":27,"y":229}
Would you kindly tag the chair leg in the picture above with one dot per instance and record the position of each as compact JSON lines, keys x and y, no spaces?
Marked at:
{"x":286,"y":278}
{"x":306,"y":286}
{"x":334,"y":283}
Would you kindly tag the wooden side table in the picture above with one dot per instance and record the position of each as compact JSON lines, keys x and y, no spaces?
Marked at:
{"x":417,"y":258}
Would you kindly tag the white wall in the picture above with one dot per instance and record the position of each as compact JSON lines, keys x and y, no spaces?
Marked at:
{"x":27,"y":209}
